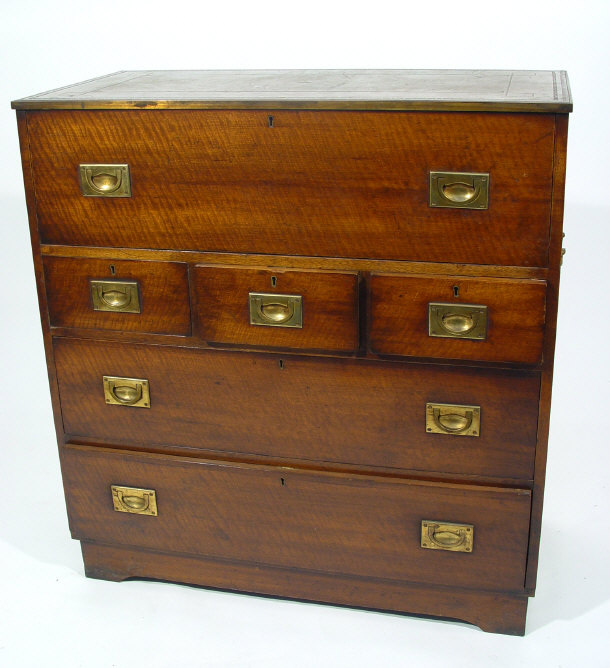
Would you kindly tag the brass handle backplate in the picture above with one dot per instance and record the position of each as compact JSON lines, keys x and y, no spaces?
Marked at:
{"x":453,"y":419}
{"x":133,"y":392}
{"x":134,"y":500}
{"x":274,"y":310}
{"x":457,"y":321}
{"x":459,"y":190}
{"x":115,"y":296}
{"x":104,"y":180}
{"x":447,"y":536}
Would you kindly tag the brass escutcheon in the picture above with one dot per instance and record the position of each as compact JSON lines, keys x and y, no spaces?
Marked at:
{"x":104,"y":180}
{"x":459,"y":190}
{"x":115,"y":296}
{"x":447,"y":536}
{"x":274,"y":310}
{"x":134,"y":500}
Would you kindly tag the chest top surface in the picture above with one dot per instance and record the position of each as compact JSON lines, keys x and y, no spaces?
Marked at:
{"x":430,"y":90}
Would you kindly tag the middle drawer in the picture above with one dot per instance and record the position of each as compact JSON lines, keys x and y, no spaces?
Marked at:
{"x":344,"y":411}
{"x":315,"y":310}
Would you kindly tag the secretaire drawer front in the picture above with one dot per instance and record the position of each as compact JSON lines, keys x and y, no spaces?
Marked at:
{"x":328,"y":410}
{"x":337,"y":523}
{"x":118,"y":295}
{"x":277,"y":308}
{"x":453,"y":317}
{"x":444,"y":187}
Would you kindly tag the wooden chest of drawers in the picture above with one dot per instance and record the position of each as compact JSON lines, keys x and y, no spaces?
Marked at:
{"x":300,"y":328}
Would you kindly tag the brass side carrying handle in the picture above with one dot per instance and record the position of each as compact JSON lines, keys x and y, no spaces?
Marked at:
{"x":275,"y":310}
{"x":134,"y":500}
{"x":447,"y":536}
{"x":459,"y":190}
{"x":127,"y":391}
{"x":101,"y":180}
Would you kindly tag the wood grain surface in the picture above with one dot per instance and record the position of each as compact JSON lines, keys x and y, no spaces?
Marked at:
{"x":311,"y":521}
{"x":163,"y":290}
{"x":491,"y":611}
{"x":557,"y":242}
{"x":344,"y":184}
{"x":329,"y":302}
{"x":515,"y":308}
{"x":297,"y":262}
{"x":325,"y":410}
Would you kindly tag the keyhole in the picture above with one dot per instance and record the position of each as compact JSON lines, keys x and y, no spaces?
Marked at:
{"x":456,"y":291}
{"x":283,"y":482}
{"x":112,"y":270}
{"x":281,"y":364}
{"x":273,"y":281}
{"x":270,"y":121}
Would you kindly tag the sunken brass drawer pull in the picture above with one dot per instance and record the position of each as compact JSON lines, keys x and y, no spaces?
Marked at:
{"x":104,"y":180}
{"x":134,"y":500}
{"x":453,"y":419}
{"x":126,"y":391}
{"x":447,"y":536}
{"x":274,"y":310}
{"x":115,"y":296}
{"x":459,"y":190}
{"x":457,"y":321}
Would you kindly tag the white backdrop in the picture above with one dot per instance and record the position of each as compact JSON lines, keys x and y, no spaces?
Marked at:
{"x":49,"y":613}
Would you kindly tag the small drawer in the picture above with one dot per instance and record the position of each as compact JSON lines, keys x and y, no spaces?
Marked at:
{"x":327,"y":410}
{"x":369,"y":526}
{"x":119,"y":295}
{"x":279,"y":308}
{"x":453,"y":317}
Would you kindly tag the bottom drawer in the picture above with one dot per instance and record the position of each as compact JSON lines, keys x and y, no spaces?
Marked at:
{"x":317,"y":521}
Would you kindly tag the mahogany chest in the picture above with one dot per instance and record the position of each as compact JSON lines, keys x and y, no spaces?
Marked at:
{"x":300,"y":327}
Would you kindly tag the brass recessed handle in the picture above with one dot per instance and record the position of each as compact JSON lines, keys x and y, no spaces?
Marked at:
{"x":459,"y":192}
{"x":453,"y":419}
{"x":447,"y":536}
{"x":453,"y":423}
{"x":275,"y":310}
{"x":127,"y":391}
{"x":457,"y":321}
{"x":134,"y":500}
{"x":116,"y":296}
{"x":115,"y":299}
{"x":105,"y":180}
{"x":127,"y":394}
